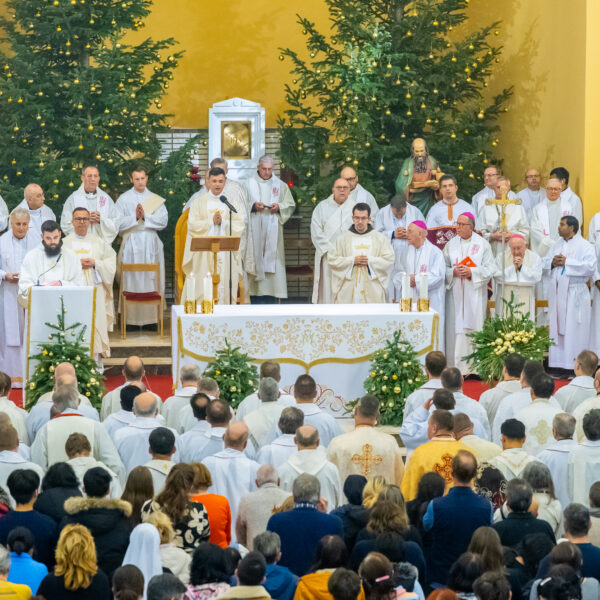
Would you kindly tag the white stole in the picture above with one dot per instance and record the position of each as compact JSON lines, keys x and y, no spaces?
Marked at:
{"x":264,"y":229}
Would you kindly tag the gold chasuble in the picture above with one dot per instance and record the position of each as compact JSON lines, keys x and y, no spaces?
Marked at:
{"x":436,"y":455}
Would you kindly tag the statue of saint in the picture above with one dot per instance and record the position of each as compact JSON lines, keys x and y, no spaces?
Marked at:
{"x":419,"y":177}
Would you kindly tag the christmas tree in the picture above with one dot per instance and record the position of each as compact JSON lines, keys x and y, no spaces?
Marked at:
{"x":65,"y":345}
{"x":390,"y":71}
{"x":73,"y":92}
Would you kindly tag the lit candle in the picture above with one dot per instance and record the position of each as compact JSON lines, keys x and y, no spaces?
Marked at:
{"x":423,"y":289}
{"x":207,"y":288}
{"x":406,"y":291}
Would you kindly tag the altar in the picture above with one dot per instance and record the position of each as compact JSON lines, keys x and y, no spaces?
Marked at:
{"x":331,"y":342}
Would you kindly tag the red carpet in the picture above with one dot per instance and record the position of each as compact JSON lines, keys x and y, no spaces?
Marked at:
{"x":474,"y":389}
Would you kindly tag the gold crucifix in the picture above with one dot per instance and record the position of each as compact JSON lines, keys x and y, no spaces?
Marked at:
{"x":503,"y":203}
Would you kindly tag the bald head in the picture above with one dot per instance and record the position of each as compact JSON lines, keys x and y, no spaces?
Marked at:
{"x":266,"y":474}
{"x":517,"y":246}
{"x":64,"y":368}
{"x":462,"y":425}
{"x":66,"y":380}
{"x":145,"y":405}
{"x":307,"y":437}
{"x":34,"y":196}
{"x":236,"y":435}
{"x":133,"y":368}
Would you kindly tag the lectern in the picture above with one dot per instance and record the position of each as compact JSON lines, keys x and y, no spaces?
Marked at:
{"x":216,"y":244}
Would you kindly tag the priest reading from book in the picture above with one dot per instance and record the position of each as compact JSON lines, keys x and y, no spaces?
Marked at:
{"x":361,"y":262}
{"x":469,"y":266}
{"x":210,"y":216}
{"x":522,"y":272}
{"x":143,"y":215}
{"x":99,"y":264}
{"x":49,"y":264}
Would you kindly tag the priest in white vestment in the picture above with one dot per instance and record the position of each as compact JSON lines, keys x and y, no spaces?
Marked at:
{"x":563,"y":176}
{"x":189,"y":376}
{"x":190,"y":439}
{"x":261,"y":422}
{"x":270,"y":205}
{"x":210,"y":441}
{"x":3,"y":214}
{"x":567,"y":268}
{"x":581,"y":387}
{"x":209,"y":217}
{"x":360,"y":262}
{"x":393,"y":221}
{"x":142,"y":215}
{"x":34,"y":204}
{"x":233,"y":473}
{"x":329,"y":219}
{"x":49,"y":264}
{"x":464,"y":432}
{"x":469,"y":267}
{"x":104,"y":215}
{"x":582,"y":409}
{"x":533,"y":193}
{"x":522,"y":274}
{"x":14,"y":245}
{"x":283,"y":446}
{"x":435,"y":363}
{"x":424,"y":263}
{"x":538,"y":417}
{"x":358,"y":192}
{"x":10,"y":413}
{"x":556,"y":455}
{"x":490,"y":174}
{"x":584,"y":459}
{"x":446,"y":211}
{"x":594,"y":239}
{"x":366,"y":450}
{"x":490,"y":218}
{"x":511,"y":382}
{"x":513,"y":459}
{"x":311,"y":458}
{"x":99,"y":264}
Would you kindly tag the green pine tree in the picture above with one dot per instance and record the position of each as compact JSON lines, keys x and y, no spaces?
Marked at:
{"x":65,"y":345}
{"x":73,"y":92}
{"x":390,"y":71}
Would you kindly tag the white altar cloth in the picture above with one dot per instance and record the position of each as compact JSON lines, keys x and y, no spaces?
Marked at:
{"x":331,"y":342}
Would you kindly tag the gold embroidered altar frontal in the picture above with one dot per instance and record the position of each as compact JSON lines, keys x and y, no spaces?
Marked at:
{"x":331,"y":342}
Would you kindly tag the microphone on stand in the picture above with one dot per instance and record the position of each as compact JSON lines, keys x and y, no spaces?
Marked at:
{"x":48,"y":270}
{"x":228,"y":204}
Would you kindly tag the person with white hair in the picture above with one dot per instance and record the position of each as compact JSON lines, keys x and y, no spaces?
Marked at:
{"x":133,"y":441}
{"x":14,"y":245}
{"x":34,"y":203}
{"x":255,"y":509}
{"x":189,"y":376}
{"x":261,"y":422}
{"x":270,"y":204}
{"x":143,"y":215}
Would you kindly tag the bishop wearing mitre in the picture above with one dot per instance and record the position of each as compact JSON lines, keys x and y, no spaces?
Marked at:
{"x":360,"y":262}
{"x":209,"y":216}
{"x":99,"y":264}
{"x":522,"y":272}
{"x":143,"y":215}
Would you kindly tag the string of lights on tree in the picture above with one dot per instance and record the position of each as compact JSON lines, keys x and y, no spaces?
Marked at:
{"x":390,"y":71}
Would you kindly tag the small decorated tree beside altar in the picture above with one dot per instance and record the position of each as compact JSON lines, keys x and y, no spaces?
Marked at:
{"x":499,"y":336}
{"x":233,"y":370}
{"x":395,"y":373}
{"x":65,"y":345}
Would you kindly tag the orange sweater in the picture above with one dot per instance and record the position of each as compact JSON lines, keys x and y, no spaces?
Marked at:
{"x":314,"y":587}
{"x":219,"y":517}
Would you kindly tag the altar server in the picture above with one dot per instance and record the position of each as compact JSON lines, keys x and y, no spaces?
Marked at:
{"x":447,"y":210}
{"x":594,"y":238}
{"x":311,"y":458}
{"x":142,"y":215}
{"x":14,"y":245}
{"x":533,"y":193}
{"x":360,"y":262}
{"x":490,"y":218}
{"x":34,"y":204}
{"x":49,"y":264}
{"x":270,"y":206}
{"x":209,"y":216}
{"x":522,"y":273}
{"x":104,"y":216}
{"x":424,"y":264}
{"x":393,"y":221}
{"x":567,"y":267}
{"x":469,"y":266}
{"x":98,"y":263}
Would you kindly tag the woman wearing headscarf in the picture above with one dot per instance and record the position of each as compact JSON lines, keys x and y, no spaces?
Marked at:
{"x":144,"y":552}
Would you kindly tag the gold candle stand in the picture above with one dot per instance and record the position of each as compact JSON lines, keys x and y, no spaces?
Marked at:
{"x":406,"y":305}
{"x":207,"y":307}
{"x":423,"y":304}
{"x":189,"y":307}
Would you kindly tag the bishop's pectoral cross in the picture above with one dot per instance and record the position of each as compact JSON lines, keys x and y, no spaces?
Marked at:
{"x":502,"y":203}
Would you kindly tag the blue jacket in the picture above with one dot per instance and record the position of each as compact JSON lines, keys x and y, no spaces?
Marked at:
{"x":300,"y":530}
{"x":280,"y":582}
{"x":23,"y":569}
{"x":452,"y":519}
